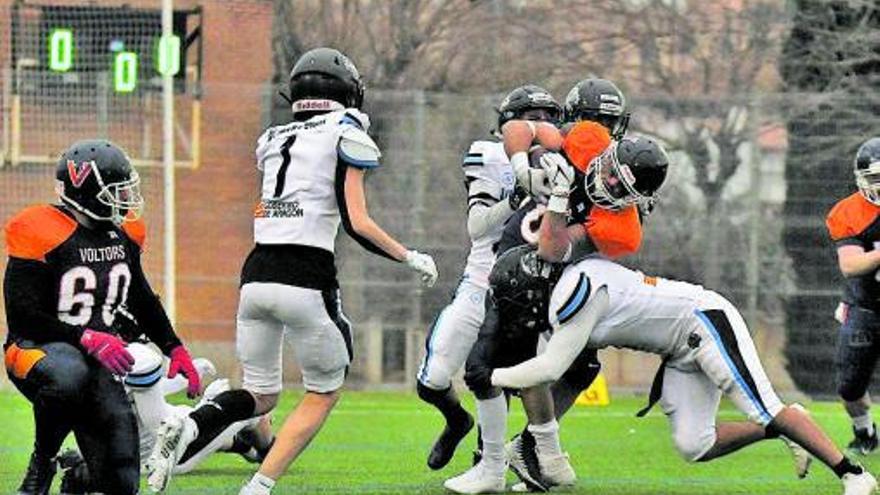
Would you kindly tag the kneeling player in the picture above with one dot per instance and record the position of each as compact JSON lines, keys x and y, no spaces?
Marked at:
{"x":70,"y":267}
{"x":147,"y":388}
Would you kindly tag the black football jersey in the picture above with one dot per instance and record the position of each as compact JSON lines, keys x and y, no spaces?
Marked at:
{"x":77,"y":276}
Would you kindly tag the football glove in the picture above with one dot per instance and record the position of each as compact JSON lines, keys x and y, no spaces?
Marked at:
{"x":561,"y":176}
{"x":424,"y":264}
{"x":108,"y":349}
{"x":181,"y":362}
{"x":533,"y":180}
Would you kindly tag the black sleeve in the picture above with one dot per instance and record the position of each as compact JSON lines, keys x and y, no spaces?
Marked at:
{"x":144,"y":304}
{"x":31,"y":311}
{"x":341,"y":168}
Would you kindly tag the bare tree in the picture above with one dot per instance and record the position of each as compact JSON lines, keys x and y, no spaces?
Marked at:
{"x":695,"y":68}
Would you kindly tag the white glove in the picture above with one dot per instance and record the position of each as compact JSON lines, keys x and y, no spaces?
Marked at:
{"x":424,"y":264}
{"x":533,"y":180}
{"x":561,"y":176}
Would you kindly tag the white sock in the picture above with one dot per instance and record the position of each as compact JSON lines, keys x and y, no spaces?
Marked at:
{"x":547,"y":438}
{"x":864,"y":422}
{"x":492,"y":415}
{"x":260,"y":484}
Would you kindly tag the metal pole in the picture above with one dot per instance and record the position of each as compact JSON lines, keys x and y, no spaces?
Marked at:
{"x":753,"y":269}
{"x":170,"y":277}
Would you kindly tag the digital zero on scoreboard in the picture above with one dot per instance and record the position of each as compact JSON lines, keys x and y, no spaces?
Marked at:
{"x":120,"y":48}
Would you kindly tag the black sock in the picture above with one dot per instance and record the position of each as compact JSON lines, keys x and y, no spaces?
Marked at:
{"x":770,"y":431}
{"x":223,"y":410}
{"x":846,"y":466}
{"x":445,"y":401}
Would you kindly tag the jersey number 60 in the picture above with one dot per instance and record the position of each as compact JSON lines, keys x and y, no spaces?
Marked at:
{"x":75,"y":308}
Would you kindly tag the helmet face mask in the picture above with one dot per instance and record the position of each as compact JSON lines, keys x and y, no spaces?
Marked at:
{"x":613,"y":182}
{"x":868,"y":181}
{"x":96,"y":179}
{"x":867,"y":170}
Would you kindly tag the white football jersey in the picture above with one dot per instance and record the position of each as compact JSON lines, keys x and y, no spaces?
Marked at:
{"x":301,"y":163}
{"x":644,"y":313}
{"x":489,"y":178}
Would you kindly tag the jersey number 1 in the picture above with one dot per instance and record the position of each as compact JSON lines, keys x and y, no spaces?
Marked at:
{"x":75,"y":306}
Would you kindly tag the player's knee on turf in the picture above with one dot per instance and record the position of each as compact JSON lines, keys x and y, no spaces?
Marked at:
{"x":693,"y":445}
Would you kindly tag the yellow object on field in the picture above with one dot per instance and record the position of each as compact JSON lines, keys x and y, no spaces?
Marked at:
{"x":596,"y":395}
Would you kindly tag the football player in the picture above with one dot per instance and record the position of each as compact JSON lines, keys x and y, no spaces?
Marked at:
{"x":313,"y":173}
{"x":71,"y":267}
{"x":491,"y":199}
{"x":854,"y":226}
{"x":147,"y":388}
{"x":594,"y":109}
{"x":705,"y":343}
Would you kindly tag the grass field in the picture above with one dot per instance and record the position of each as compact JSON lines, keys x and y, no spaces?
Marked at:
{"x":377,"y":442}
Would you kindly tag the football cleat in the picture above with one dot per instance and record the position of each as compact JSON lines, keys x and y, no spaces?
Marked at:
{"x":863,"y":443}
{"x":172,"y":438}
{"x":859,"y":484}
{"x":524,"y":461}
{"x":556,"y":470}
{"x":38,"y":477}
{"x":478,"y":479}
{"x":444,"y":447}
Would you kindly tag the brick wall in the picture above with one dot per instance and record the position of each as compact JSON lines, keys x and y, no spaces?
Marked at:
{"x":213,"y":213}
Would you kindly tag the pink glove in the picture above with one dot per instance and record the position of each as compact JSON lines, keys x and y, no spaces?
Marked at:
{"x":108,"y":349}
{"x":181,"y":362}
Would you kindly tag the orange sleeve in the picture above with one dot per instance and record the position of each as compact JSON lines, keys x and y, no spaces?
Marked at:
{"x":850,"y":217}
{"x":585,"y":141}
{"x":615,"y":233}
{"x":137,"y":231}
{"x":37,"y":230}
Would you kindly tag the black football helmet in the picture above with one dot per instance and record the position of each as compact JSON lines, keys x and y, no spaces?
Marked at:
{"x":525,"y":98}
{"x":95,"y":178}
{"x":520,"y":286}
{"x":628,"y":172}
{"x":598,"y":100}
{"x":323,"y":76}
{"x":867,"y":170}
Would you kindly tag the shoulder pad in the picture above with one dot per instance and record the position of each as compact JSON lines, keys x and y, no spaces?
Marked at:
{"x":358,"y":149}
{"x":850,"y":217}
{"x":136,"y":231}
{"x":37,"y":230}
{"x":584,"y":142}
{"x":147,"y":368}
{"x":570,"y":295}
{"x":356,"y":118}
{"x":485,"y":152}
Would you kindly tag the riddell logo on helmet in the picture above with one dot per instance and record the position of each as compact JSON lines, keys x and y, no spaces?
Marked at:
{"x":79,"y":173}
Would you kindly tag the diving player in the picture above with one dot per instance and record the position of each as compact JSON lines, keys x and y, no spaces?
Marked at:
{"x":72,"y":267}
{"x":313,"y":173}
{"x":491,"y":198}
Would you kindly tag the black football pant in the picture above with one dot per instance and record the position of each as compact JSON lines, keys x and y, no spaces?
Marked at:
{"x":503,"y":341}
{"x":72,"y":392}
